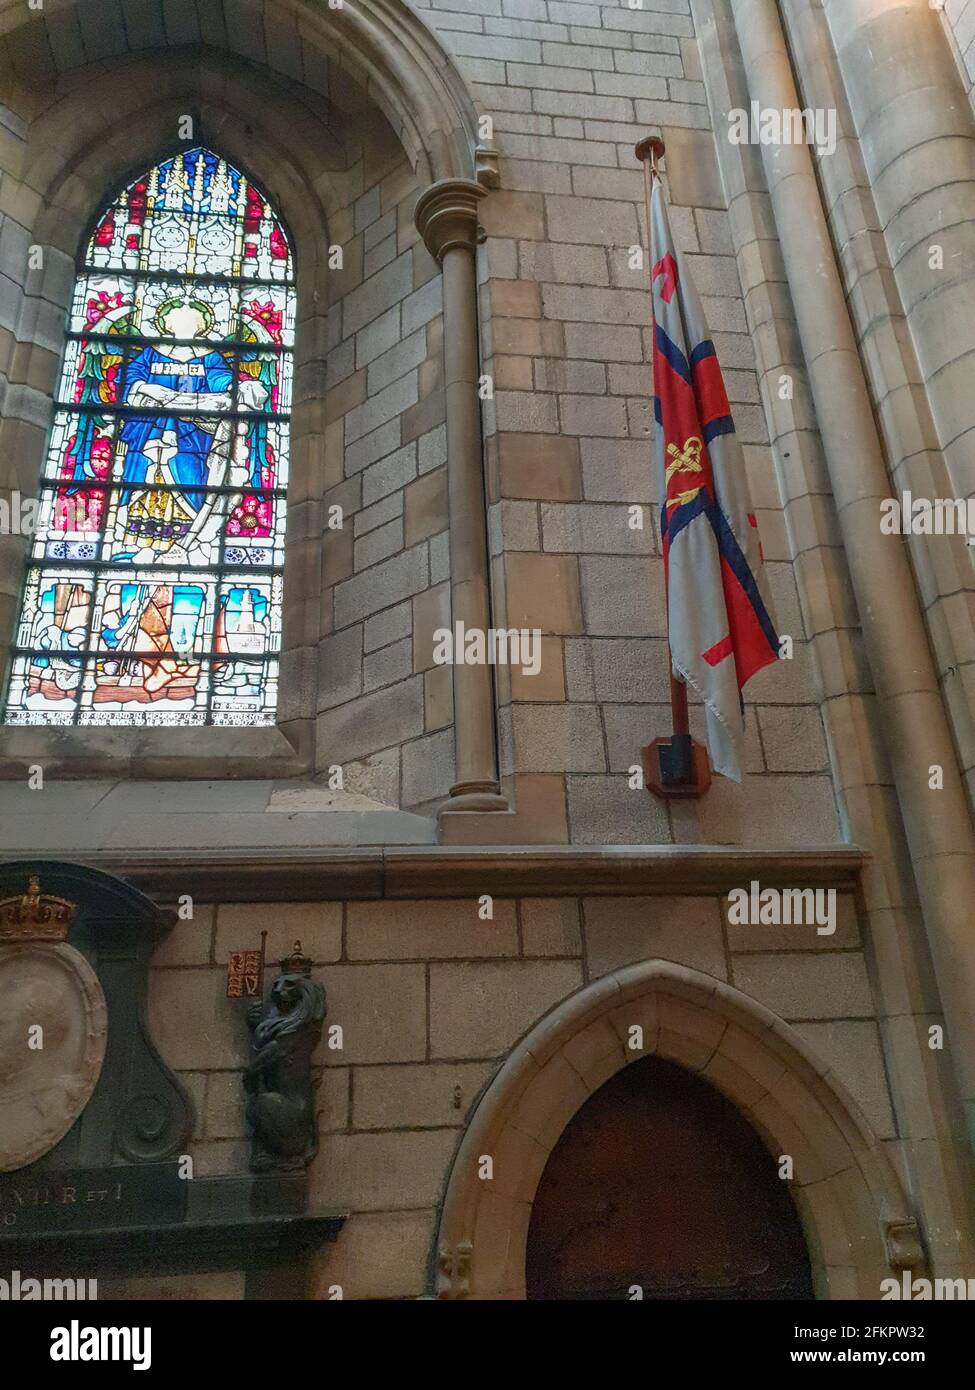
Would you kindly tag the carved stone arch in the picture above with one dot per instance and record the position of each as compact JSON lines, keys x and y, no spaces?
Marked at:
{"x":78,"y":159}
{"x":296,"y":157}
{"x":77,"y":151}
{"x":291,"y":152}
{"x":370,"y":77}
{"x":387,"y":47}
{"x":384,"y":47}
{"x":857,"y":1222}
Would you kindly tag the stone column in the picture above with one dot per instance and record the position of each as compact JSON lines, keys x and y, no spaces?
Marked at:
{"x":937,"y":823}
{"x":903,"y":398}
{"x":917,"y":138}
{"x":446,"y":218}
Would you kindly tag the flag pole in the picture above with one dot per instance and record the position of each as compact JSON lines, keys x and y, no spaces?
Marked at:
{"x":676,"y":766}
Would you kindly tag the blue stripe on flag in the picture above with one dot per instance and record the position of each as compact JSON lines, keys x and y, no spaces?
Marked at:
{"x":732,"y":552}
{"x":681,"y":516}
{"x":722,"y":425}
{"x":729,"y":548}
{"x":703,"y":349}
{"x":672,"y":353}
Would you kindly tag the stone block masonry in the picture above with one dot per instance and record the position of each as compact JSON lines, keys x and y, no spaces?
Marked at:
{"x":385,"y":459}
{"x":430,"y":998}
{"x":571,"y":88}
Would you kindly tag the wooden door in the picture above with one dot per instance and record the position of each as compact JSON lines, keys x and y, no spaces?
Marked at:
{"x":660,"y":1182}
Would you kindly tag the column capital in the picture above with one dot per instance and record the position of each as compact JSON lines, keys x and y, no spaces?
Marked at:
{"x":446,"y":215}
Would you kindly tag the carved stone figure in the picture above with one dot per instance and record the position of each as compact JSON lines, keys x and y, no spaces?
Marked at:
{"x":285,"y":1030}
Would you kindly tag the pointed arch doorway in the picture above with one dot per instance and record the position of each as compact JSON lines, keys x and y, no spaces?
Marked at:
{"x":659,"y":1188}
{"x":857,"y":1222}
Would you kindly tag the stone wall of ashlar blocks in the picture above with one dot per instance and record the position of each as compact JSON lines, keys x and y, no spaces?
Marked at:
{"x":571,"y":87}
{"x":431,"y":1000}
{"x":384,"y":710}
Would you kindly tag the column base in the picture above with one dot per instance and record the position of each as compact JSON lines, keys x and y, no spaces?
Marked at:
{"x":470,"y":816}
{"x":475,"y":796}
{"x":534,"y":815}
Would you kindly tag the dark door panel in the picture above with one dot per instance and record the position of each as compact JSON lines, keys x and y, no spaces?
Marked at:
{"x":659,"y":1181}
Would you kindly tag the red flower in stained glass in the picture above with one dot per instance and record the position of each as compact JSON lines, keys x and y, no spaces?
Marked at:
{"x":266,"y":315}
{"x":100,"y":304}
{"x":251,"y":517}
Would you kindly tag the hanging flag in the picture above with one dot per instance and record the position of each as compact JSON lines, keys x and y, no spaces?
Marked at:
{"x":719,"y":620}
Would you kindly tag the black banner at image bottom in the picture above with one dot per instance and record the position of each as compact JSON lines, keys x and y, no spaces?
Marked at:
{"x":149,"y":1338}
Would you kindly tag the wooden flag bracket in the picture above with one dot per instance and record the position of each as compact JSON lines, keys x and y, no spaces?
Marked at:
{"x":665,"y":761}
{"x":676,"y":766}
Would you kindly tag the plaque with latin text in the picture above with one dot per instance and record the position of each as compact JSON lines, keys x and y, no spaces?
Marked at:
{"x":78,"y":1199}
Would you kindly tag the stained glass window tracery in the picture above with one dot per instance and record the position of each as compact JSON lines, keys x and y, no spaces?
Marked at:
{"x":154,"y":585}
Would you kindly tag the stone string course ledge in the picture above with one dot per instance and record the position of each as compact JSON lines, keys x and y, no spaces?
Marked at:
{"x":295,"y":875}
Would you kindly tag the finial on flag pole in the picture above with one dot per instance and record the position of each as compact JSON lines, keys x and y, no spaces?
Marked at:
{"x":650,"y":150}
{"x":675,"y":766}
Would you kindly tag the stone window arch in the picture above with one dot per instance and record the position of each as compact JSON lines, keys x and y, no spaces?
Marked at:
{"x":71,"y":155}
{"x":323,"y":89}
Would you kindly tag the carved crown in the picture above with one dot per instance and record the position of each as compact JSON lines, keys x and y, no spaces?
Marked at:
{"x":35,"y":916}
{"x":297,"y":963}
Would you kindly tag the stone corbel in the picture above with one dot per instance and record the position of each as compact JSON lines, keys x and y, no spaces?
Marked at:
{"x":454,"y":1270}
{"x":486,"y":169}
{"x":902,"y":1240}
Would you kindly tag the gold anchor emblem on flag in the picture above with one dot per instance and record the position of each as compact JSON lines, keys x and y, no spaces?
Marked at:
{"x":686,"y":460}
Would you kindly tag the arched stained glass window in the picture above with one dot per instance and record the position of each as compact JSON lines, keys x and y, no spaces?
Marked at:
{"x":153,"y":592}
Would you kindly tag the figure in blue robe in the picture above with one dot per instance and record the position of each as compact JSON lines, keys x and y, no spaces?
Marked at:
{"x":174,"y":446}
{"x":208,"y":374}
